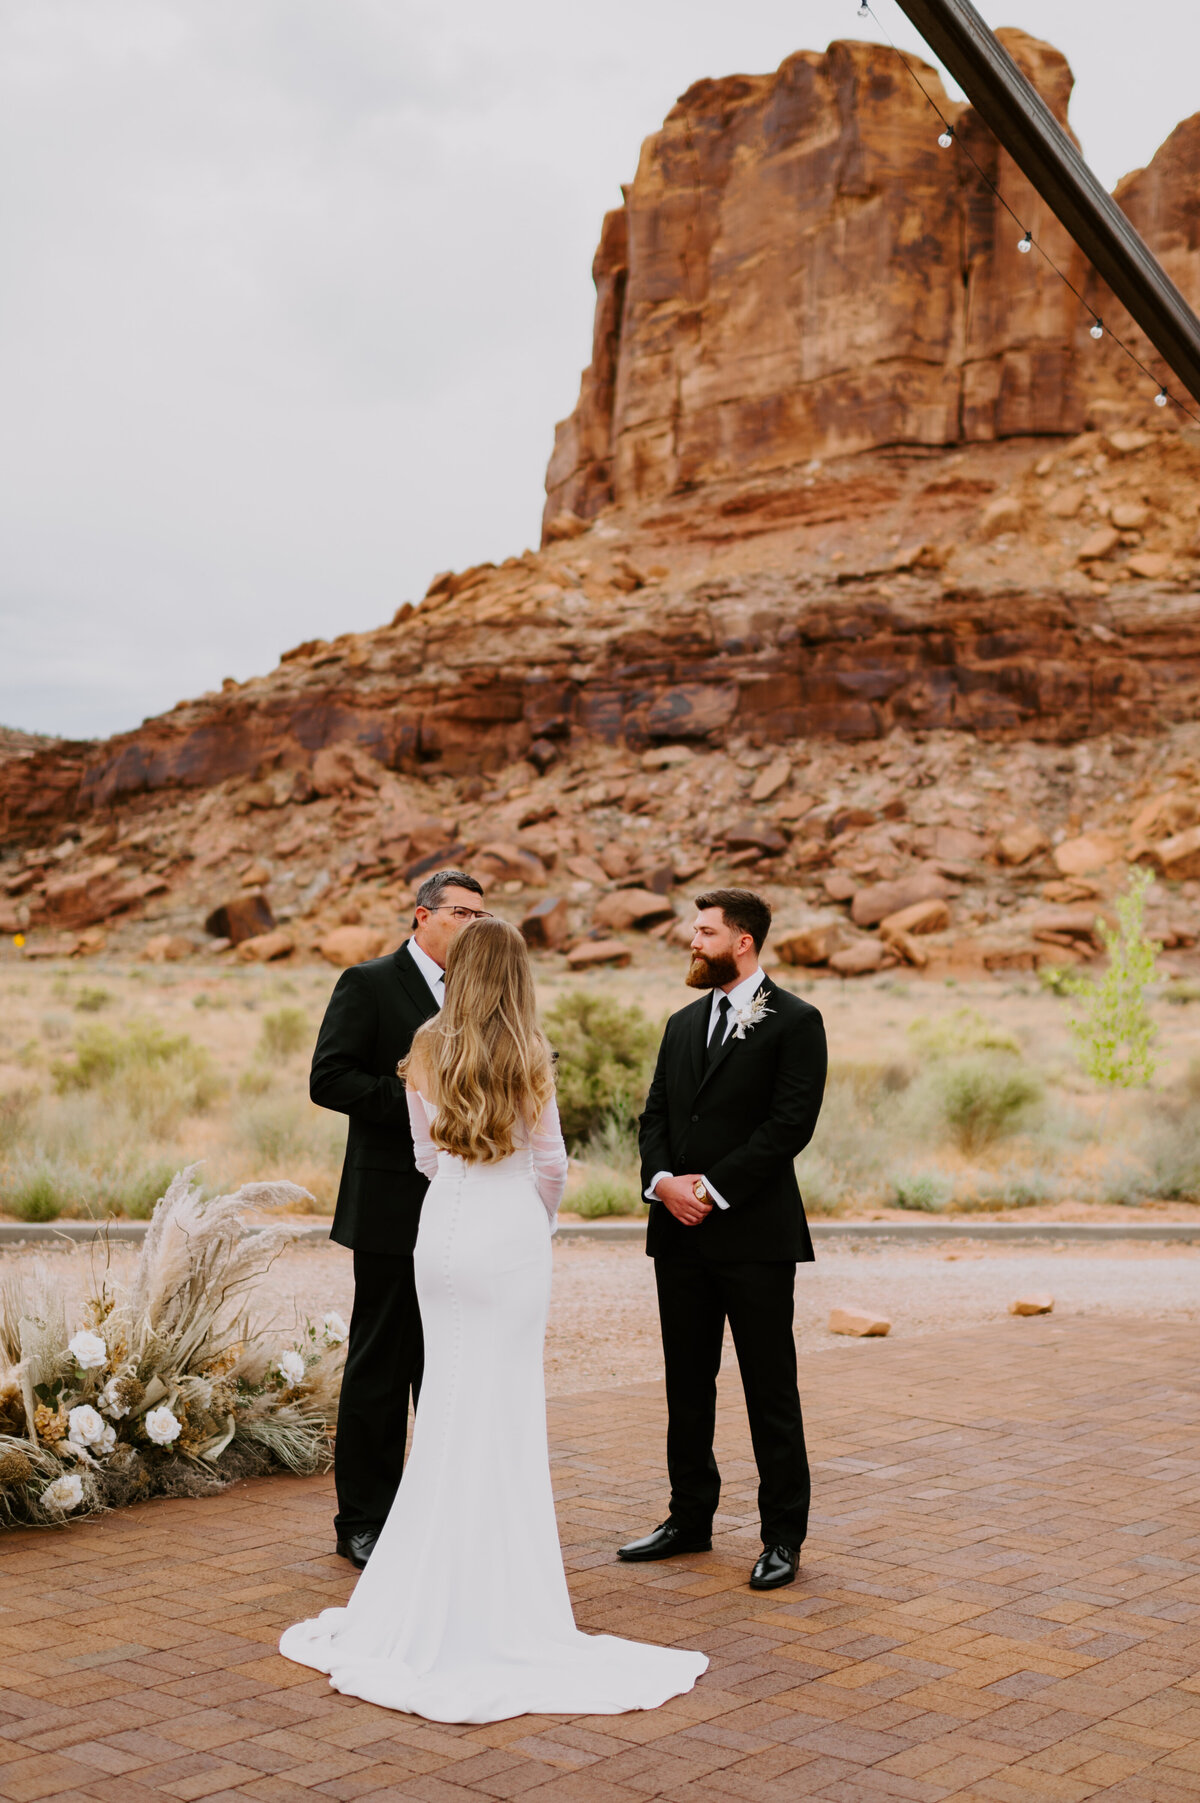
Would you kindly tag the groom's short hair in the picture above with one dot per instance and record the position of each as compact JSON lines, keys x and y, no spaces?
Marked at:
{"x":742,"y":909}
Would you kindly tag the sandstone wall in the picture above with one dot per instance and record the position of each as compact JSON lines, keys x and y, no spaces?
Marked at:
{"x":800,"y":272}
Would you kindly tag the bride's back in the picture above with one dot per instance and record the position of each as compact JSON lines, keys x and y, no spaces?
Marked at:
{"x":483,"y":1065}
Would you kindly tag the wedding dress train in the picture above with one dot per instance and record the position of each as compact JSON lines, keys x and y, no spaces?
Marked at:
{"x":462,"y":1613}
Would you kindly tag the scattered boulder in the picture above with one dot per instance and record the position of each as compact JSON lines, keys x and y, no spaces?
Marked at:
{"x":658,"y":878}
{"x":434,"y":860}
{"x":264,"y":948}
{"x":857,"y":1322}
{"x":562,"y":526}
{"x":840,"y":886}
{"x":1091,"y":851}
{"x":1151,"y":566}
{"x":860,"y":959}
{"x":1067,"y":925}
{"x":546,"y":926}
{"x":587,"y":870}
{"x":506,"y":863}
{"x":626,"y":908}
{"x":1129,"y":516}
{"x":770,"y":780}
{"x":1179,"y":856}
{"x":955,"y":844}
{"x":661,"y":757}
{"x":1004,"y":514}
{"x":1020,"y":843}
{"x":613,"y":860}
{"x":1067,"y":502}
{"x":1099,"y":544}
{"x":878,"y":900}
{"x":342,"y":769}
{"x":810,"y":945}
{"x":541,"y":754}
{"x":345,"y":946}
{"x":910,"y":949}
{"x":922,"y":917}
{"x":242,"y":918}
{"x":589,"y":954}
{"x":168,"y":948}
{"x":1031,"y":1305}
{"x":757,"y":836}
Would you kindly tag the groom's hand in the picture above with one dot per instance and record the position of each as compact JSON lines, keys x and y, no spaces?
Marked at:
{"x":676,"y":1193}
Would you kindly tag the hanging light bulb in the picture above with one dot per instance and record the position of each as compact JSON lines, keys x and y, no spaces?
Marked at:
{"x":1026,"y":244}
{"x":946,"y":137}
{"x":1097,"y":328}
{"x":864,"y":11}
{"x":1161,"y":398}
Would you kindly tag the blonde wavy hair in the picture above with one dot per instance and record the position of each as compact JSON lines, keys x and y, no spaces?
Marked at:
{"x":483,"y":1063}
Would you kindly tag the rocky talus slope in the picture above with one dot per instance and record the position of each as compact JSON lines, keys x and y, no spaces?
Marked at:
{"x":864,"y":570}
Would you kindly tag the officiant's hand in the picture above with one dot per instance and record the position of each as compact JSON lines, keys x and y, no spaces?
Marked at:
{"x":676,"y":1193}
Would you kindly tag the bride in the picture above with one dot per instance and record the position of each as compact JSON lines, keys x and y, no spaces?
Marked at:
{"x":462,"y":1613}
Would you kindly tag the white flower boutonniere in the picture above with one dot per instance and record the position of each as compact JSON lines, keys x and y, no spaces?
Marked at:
{"x":751,"y":1013}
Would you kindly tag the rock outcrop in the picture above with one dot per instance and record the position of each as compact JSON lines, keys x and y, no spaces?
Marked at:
{"x":800,"y":272}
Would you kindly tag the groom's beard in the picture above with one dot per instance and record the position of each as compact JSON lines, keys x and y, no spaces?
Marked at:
{"x":710,"y":973}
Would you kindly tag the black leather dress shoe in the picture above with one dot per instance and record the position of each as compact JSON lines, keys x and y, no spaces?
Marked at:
{"x":357,"y":1547}
{"x":775,"y":1568}
{"x":664,"y":1543}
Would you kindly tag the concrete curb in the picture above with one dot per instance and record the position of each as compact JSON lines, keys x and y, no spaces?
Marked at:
{"x":901,"y":1233}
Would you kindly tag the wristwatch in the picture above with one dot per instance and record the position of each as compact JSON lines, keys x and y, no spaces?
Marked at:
{"x":699,"y":1191}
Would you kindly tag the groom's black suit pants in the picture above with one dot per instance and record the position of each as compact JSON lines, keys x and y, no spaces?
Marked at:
{"x":384,"y":1361}
{"x":695,"y":1299}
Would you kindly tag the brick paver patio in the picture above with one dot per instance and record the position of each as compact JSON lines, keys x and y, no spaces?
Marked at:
{"x":1000,"y":1600}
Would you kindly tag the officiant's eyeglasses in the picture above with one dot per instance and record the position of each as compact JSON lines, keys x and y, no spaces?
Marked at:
{"x":461,"y":913}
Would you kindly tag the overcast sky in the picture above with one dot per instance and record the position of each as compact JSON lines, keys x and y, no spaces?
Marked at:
{"x":294,"y":291}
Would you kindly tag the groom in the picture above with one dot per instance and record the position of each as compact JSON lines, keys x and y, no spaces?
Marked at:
{"x":368,"y":1028}
{"x":735,"y":1097}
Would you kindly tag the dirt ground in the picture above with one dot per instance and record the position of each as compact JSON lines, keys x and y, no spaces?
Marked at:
{"x":603,"y":1329}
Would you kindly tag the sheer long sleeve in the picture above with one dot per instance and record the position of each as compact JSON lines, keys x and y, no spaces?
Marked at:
{"x":424,"y":1150}
{"x":549,"y":1161}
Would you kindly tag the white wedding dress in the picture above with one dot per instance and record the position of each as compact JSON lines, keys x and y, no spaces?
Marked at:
{"x":462,"y":1613}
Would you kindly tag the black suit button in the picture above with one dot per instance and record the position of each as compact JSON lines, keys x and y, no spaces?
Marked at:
{"x":695,"y":1117}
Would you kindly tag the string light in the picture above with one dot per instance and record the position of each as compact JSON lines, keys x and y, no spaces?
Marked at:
{"x":946,"y":138}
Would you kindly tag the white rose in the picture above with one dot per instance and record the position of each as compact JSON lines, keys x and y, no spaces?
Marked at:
{"x":291,"y":1368}
{"x":88,"y":1350}
{"x":64,"y":1494}
{"x":111,"y":1402}
{"x":107,"y":1440}
{"x":334,"y":1329}
{"x":85,"y":1426}
{"x":162,"y":1426}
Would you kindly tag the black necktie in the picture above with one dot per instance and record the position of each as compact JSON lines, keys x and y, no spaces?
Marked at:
{"x":717,"y":1038}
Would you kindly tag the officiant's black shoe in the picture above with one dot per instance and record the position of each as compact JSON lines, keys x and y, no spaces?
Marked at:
{"x":775,"y":1568}
{"x":357,"y":1547}
{"x":664,"y":1543}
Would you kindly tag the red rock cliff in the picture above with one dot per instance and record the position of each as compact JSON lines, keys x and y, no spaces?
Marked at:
{"x":800,"y":272}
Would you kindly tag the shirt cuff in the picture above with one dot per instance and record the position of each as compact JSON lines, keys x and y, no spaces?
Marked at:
{"x":718,"y":1199}
{"x":653,"y":1184}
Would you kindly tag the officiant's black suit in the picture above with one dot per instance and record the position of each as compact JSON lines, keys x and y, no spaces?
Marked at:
{"x":739,"y":1119}
{"x":368,"y":1028}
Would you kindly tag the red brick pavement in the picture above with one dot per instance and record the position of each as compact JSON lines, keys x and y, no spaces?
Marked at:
{"x":1000,"y":1600}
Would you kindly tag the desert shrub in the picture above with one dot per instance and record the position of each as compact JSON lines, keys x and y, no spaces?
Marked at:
{"x":604,"y":1193}
{"x":256,"y":1080}
{"x":862,"y":1114}
{"x":158,"y":1077}
{"x":15,"y":1109}
{"x":927,"y":1192}
{"x":91,"y":999}
{"x":961,"y":1033}
{"x":33,"y":1197}
{"x":981,"y":1100}
{"x":285,"y":1031}
{"x":1115,"y":1030}
{"x":605,"y":1061}
{"x":273,"y":1129}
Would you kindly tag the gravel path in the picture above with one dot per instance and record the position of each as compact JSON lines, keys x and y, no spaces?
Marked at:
{"x":603,"y":1325}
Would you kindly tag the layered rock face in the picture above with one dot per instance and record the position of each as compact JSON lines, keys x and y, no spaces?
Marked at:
{"x":800,"y":272}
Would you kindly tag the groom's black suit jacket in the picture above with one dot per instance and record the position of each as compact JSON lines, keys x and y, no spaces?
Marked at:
{"x":739,"y":1121}
{"x":368,"y":1028}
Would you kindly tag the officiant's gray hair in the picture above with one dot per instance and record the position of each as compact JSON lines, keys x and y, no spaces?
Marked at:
{"x":430,"y":893}
{"x":742,"y":909}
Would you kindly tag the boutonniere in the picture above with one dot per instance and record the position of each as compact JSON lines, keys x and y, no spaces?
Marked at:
{"x":750,"y":1013}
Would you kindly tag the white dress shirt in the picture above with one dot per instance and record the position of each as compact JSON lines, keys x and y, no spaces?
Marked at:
{"x":433,"y":973}
{"x":739,"y":996}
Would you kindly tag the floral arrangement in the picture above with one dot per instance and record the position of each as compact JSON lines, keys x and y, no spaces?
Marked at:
{"x":171,"y":1387}
{"x":747,"y":1017}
